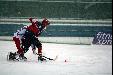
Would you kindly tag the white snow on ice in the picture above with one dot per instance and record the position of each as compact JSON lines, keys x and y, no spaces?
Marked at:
{"x":80,"y":60}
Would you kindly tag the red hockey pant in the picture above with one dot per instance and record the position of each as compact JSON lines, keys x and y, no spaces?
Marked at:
{"x":18,"y":45}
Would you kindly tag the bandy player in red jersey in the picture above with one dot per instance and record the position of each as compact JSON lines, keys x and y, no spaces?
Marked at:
{"x":26,"y":37}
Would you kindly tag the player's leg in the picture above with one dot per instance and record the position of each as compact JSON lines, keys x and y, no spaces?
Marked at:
{"x":38,"y":44}
{"x":25,"y":44}
{"x":18,"y":45}
{"x":15,"y":56}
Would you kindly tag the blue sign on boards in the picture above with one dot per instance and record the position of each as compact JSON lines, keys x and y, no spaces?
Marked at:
{"x":102,"y":38}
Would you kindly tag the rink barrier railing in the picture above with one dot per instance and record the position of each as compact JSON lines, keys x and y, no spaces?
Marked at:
{"x":59,"y":40}
{"x":55,"y":20}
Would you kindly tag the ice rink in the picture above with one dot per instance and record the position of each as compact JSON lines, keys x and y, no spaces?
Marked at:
{"x":80,"y":60}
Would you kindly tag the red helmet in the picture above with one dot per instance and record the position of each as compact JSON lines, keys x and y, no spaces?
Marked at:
{"x":45,"y":22}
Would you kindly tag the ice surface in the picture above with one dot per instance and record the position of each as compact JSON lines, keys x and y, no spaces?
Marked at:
{"x":80,"y":60}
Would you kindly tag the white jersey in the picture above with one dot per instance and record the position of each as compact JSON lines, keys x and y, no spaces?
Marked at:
{"x":19,"y":34}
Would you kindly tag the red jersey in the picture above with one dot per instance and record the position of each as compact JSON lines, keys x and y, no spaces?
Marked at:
{"x":34,"y":28}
